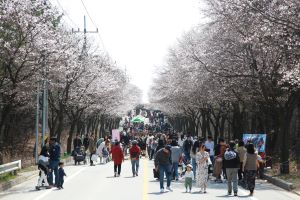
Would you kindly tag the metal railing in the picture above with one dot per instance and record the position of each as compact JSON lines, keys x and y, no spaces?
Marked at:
{"x":10,"y":167}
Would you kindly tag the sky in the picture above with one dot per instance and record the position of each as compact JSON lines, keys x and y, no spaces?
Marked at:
{"x":136,"y":33}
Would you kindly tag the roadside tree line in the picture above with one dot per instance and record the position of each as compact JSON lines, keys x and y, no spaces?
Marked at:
{"x":86,"y":90}
{"x":235,"y":72}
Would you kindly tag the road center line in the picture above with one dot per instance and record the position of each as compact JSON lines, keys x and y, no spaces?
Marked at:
{"x":145,"y":184}
{"x":67,"y":180}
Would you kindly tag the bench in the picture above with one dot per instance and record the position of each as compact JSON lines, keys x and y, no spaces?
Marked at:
{"x":10,"y":167}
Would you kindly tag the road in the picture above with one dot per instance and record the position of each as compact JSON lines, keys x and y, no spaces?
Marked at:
{"x":89,"y":183}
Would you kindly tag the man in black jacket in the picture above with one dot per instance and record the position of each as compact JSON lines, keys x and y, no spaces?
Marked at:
{"x":231,"y":163}
{"x":163,"y":164}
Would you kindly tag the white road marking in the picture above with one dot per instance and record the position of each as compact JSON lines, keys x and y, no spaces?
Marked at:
{"x":67,"y":180}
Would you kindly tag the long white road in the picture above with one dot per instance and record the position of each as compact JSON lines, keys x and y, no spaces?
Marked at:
{"x":97,"y":182}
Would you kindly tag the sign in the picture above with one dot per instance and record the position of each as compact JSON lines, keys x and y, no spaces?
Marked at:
{"x":115,"y":135}
{"x":259,"y":141}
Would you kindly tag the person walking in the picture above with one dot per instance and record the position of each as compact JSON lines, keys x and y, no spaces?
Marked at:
{"x":175,"y":156}
{"x":194,"y":151}
{"x":202,"y":169}
{"x":250,"y":167}
{"x":231,"y":162}
{"x":54,"y":151}
{"x":92,"y":148}
{"x":209,"y":144}
{"x":188,"y":178}
{"x":86,"y":142}
{"x":118,"y":158}
{"x":242,"y":151}
{"x":43,"y":164}
{"x":163,"y":164}
{"x":77,"y":142}
{"x":187,"y":146}
{"x":61,"y":175}
{"x":135,"y":152}
{"x":220,"y":149}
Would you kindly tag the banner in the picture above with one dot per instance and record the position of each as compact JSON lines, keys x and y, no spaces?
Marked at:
{"x":259,"y":141}
{"x":115,"y":135}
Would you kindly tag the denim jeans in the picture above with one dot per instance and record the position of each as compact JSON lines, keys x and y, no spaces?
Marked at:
{"x":194,"y":164}
{"x":212,"y":159}
{"x":175,"y":169}
{"x":187,"y":156}
{"x":53,"y":165}
{"x":135,"y":166}
{"x":164,"y":170}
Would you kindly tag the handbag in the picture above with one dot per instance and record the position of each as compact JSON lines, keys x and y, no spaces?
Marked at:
{"x":155,"y":174}
{"x":94,"y":158}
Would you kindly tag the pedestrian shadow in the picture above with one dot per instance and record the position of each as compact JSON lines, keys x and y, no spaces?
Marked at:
{"x":129,"y":177}
{"x":157,"y":193}
{"x":110,"y":177}
{"x":231,"y":196}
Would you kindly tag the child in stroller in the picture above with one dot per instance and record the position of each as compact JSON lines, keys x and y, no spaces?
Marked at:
{"x":79,"y":155}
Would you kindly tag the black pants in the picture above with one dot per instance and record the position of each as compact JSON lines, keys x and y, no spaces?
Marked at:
{"x":117,"y":167}
{"x":60,"y":182}
{"x":91,"y":162}
{"x":240,"y":172}
{"x":152,"y":154}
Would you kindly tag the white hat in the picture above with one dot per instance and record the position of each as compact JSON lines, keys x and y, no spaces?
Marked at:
{"x":189,"y":165}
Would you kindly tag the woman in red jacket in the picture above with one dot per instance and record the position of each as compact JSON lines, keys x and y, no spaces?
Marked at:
{"x":117,"y":157}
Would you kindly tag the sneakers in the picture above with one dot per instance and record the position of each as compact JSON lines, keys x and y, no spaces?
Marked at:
{"x":235,"y":194}
{"x":137,"y":174}
{"x":229,"y":193}
{"x":170,"y":189}
{"x":162,"y":190}
{"x":115,"y":175}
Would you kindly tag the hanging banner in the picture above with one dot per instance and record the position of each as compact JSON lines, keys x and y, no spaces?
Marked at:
{"x":115,"y":135}
{"x":259,"y":141}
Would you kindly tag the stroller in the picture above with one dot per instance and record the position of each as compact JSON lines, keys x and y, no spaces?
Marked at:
{"x":79,"y":155}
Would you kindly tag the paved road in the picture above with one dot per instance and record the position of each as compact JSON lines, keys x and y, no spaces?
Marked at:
{"x":89,"y":183}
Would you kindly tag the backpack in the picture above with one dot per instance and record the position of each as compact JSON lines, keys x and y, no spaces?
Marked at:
{"x":230,"y":155}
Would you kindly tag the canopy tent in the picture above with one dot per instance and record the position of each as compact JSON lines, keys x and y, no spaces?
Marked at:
{"x":138,"y":119}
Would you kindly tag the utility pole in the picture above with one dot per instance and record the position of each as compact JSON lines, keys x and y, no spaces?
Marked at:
{"x":37,"y":124}
{"x":45,"y":102}
{"x":85,"y":31}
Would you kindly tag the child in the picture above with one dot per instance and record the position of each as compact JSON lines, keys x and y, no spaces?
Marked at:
{"x":43,"y":167}
{"x":61,"y":174}
{"x":105,"y":154}
{"x":189,"y":177}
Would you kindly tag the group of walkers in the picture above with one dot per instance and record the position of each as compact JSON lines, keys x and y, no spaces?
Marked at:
{"x":51,"y":169}
{"x":175,"y":157}
{"x":234,"y":162}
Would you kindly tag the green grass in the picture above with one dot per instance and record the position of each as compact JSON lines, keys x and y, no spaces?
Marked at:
{"x":65,"y":156}
{"x":6,"y":177}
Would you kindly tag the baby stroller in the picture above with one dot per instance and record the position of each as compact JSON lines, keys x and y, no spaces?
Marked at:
{"x":79,"y":155}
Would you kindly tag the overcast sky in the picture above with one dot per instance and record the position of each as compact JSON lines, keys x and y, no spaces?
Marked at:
{"x":136,"y":33}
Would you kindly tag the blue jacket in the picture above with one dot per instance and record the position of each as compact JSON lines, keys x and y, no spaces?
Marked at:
{"x":55,"y":152}
{"x":61,"y":173}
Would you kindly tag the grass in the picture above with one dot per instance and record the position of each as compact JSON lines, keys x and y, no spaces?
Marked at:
{"x":6,"y":177}
{"x":65,"y":156}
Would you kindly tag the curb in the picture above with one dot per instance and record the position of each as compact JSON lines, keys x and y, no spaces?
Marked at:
{"x":18,"y":180}
{"x":279,"y":182}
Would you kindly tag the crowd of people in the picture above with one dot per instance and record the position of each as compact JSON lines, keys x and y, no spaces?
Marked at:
{"x":176,"y":157}
{"x":233,"y":162}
